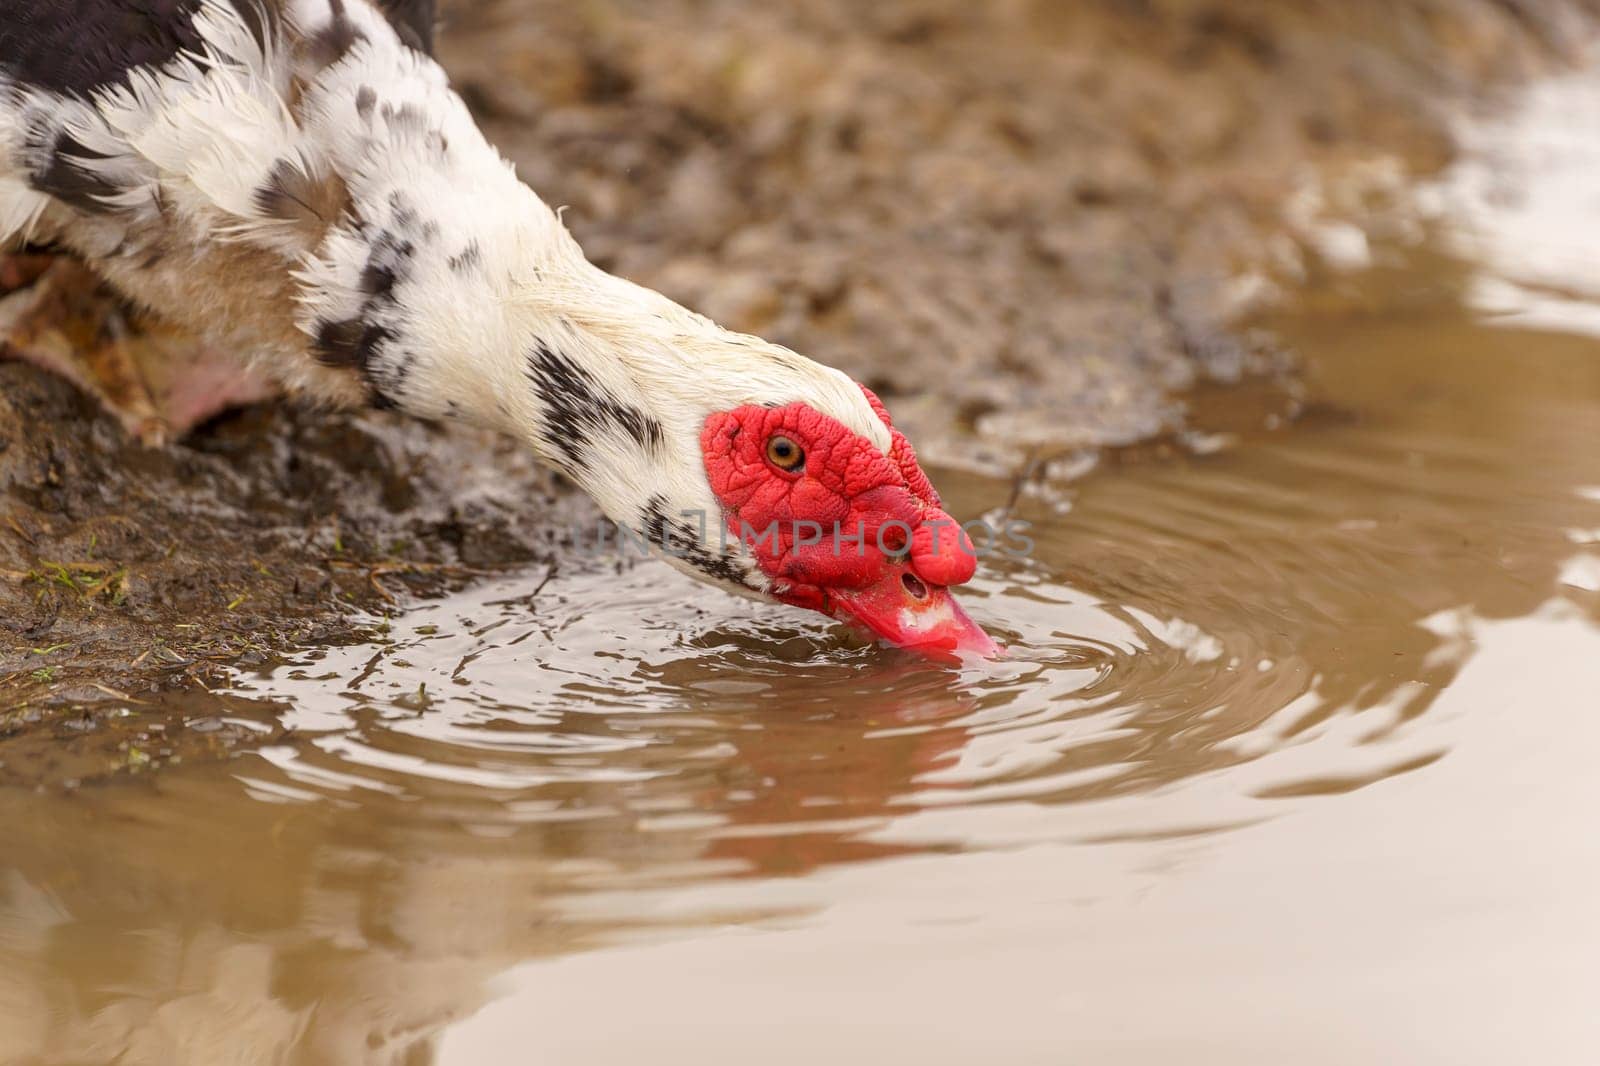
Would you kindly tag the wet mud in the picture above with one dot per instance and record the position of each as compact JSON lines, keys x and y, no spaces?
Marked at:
{"x":131,"y":580}
{"x":1029,"y":225}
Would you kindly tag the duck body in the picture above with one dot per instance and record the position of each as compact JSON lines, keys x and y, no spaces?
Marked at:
{"x":290,"y":190}
{"x":198,"y":154}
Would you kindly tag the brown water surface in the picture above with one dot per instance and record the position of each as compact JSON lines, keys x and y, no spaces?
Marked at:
{"x":1291,"y":761}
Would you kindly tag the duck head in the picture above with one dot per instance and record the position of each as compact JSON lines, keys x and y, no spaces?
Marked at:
{"x":839,"y":523}
{"x":749,"y":465}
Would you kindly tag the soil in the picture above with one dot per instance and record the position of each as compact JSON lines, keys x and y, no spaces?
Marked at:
{"x":1028,"y":224}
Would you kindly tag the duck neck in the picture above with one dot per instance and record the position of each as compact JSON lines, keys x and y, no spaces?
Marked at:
{"x":449,"y":310}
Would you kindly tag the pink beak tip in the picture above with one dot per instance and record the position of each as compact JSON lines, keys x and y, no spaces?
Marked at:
{"x":929,"y":621}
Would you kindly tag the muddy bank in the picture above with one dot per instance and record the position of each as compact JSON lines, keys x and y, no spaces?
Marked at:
{"x":129,"y":578}
{"x":1027,"y":224}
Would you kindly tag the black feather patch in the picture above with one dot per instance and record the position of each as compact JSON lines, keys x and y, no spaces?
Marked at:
{"x":333,"y":42}
{"x":469,"y":258}
{"x":683,"y":541}
{"x":291,"y":195}
{"x":62,"y":172}
{"x":260,"y":17}
{"x":349,"y":342}
{"x":388,"y":263}
{"x":372,"y":341}
{"x":577,"y":406}
{"x":412,"y":21}
{"x":74,"y":47}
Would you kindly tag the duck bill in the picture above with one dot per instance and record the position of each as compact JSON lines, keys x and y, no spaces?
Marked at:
{"x":909,"y":614}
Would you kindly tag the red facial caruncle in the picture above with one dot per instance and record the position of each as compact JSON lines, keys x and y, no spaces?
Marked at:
{"x":840,"y":527}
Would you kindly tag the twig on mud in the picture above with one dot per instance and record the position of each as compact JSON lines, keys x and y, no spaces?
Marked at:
{"x":77,"y":577}
{"x":19,"y":531}
{"x":527,"y":600}
{"x":377,"y":586}
{"x":1018,"y":483}
{"x":84,"y":567}
{"x":114,"y":694}
{"x":377,"y":570}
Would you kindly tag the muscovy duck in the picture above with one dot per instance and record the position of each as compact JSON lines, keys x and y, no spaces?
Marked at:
{"x":207,"y":201}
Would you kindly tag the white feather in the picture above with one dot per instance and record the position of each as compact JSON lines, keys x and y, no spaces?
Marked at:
{"x":20,"y":205}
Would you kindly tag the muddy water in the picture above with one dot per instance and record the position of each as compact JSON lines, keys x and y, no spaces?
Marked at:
{"x":1290,"y":760}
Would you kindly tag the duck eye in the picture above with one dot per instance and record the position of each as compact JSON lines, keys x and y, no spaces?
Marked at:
{"x":785,"y":454}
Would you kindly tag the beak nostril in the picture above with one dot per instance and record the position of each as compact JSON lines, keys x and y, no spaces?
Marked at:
{"x":914,"y":585}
